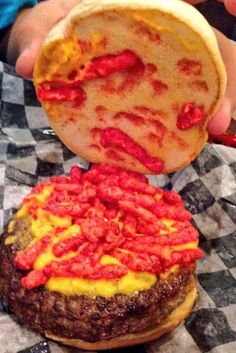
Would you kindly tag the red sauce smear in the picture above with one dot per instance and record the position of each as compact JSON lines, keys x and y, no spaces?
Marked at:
{"x":190,"y":115}
{"x":137,"y":120}
{"x":199,"y":85}
{"x":103,"y":66}
{"x":114,"y":137}
{"x":159,"y":87}
{"x":190,"y":67}
{"x":106,"y":65}
{"x":119,"y":215}
{"x":63,"y":94}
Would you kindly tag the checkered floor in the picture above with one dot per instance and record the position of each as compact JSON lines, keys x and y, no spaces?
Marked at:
{"x":30,"y":152}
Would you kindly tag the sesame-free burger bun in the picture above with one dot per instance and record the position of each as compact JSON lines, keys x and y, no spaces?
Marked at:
{"x":173,"y":320}
{"x":131,"y":83}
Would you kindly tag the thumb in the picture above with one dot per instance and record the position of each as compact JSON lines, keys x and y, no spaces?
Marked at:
{"x":221,"y":120}
{"x":25,"y":62}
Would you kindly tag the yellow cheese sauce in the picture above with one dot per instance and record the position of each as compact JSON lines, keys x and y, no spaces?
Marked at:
{"x":128,"y":284}
{"x":149,"y":19}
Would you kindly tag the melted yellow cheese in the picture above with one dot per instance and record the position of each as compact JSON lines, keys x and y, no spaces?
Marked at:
{"x":58,"y":56}
{"x":23,"y":211}
{"x":187,"y":44}
{"x":10,"y":240}
{"x":169,"y":271}
{"x":192,"y":245}
{"x":97,"y":40}
{"x":169,"y":224}
{"x":44,"y":195}
{"x":46,"y":257}
{"x":151,"y":22}
{"x":46,"y":222}
{"x":128,"y":284}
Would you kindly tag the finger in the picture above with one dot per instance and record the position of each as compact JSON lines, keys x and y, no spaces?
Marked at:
{"x":25,"y":62}
{"x":231,"y":6}
{"x":32,"y":31}
{"x":221,"y":120}
{"x":194,"y":2}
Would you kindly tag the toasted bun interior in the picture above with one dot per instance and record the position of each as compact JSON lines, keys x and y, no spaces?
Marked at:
{"x":174,"y":319}
{"x":156,"y":80}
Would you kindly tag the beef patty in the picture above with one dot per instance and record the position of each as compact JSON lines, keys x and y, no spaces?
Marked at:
{"x":80,"y":316}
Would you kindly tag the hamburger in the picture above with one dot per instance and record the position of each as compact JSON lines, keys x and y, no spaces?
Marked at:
{"x":131,"y":83}
{"x":100,"y":259}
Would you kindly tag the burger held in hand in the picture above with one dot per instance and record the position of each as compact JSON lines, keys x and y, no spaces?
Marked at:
{"x":132,"y":83}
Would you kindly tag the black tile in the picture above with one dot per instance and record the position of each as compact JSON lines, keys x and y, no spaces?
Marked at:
{"x":20,"y":178}
{"x":1,"y":196}
{"x":134,"y":349}
{"x":30,"y":95}
{"x":209,"y":328}
{"x":44,"y":134}
{"x":14,"y":151}
{"x":196,"y":196}
{"x":207,"y":160}
{"x":67,"y":154}
{"x":41,"y":347}
{"x":226,"y":249}
{"x":229,"y":206}
{"x":13,"y":115}
{"x":168,"y":186}
{"x":47,"y":169}
{"x":0,"y":87}
{"x":8,"y":214}
{"x":4,"y":308}
{"x":233,"y":167}
{"x":9,"y":69}
{"x":220,"y":286}
{"x":202,"y":238}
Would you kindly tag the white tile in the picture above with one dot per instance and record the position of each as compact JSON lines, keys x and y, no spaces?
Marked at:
{"x":233,"y":272}
{"x":211,"y":262}
{"x":78,"y":161}
{"x":158,"y":180}
{"x":2,"y":174}
{"x":1,"y":221}
{"x":214,"y":222}
{"x":20,"y":137}
{"x":12,"y":89}
{"x":220,"y":182}
{"x":228,"y":154}
{"x":13,"y":196}
{"x":14,"y":337}
{"x":26,"y":164}
{"x":184,"y":177}
{"x":177,"y":341}
{"x":49,"y":152}
{"x":230,"y":313}
{"x":225,"y":348}
{"x":36,"y":117}
{"x":203,"y":300}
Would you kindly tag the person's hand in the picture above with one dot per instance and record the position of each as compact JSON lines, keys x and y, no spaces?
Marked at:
{"x":33,"y":24}
{"x":229,"y":4}
{"x":29,"y":30}
{"x":221,"y":120}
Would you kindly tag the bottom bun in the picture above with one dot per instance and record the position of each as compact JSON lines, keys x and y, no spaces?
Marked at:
{"x":174,"y":319}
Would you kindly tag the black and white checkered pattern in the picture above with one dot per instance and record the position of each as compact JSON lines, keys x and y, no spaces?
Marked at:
{"x":30,"y":152}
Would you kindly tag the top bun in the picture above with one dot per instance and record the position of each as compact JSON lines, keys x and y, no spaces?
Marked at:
{"x":132,"y":83}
